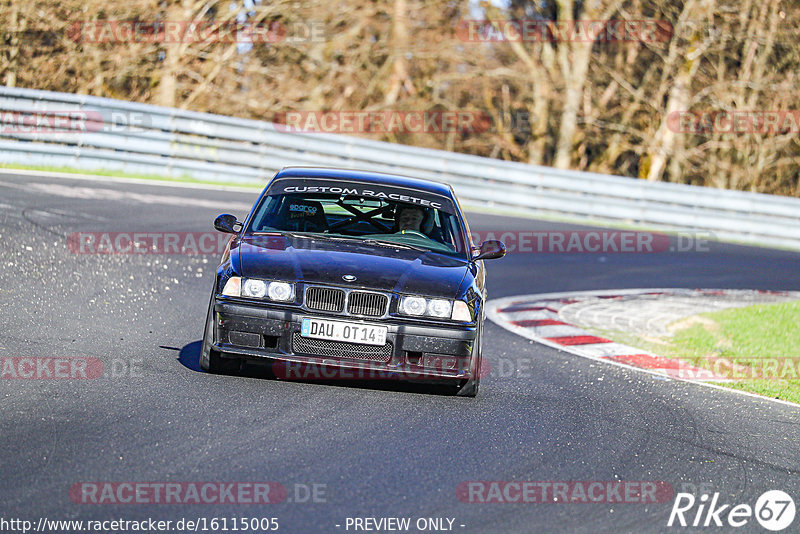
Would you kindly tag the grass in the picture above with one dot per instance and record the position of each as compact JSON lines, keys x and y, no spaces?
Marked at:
{"x":763,"y":339}
{"x":743,"y":343}
{"x":118,"y":174}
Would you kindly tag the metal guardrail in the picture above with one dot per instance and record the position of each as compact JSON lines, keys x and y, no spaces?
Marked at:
{"x":144,"y":139}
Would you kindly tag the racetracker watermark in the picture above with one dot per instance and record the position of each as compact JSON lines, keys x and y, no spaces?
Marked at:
{"x":49,"y":368}
{"x":595,"y":241}
{"x":709,"y":122}
{"x":383,"y":122}
{"x":191,"y":243}
{"x":546,"y":242}
{"x":72,"y":121}
{"x":550,"y":31}
{"x":563,"y":492}
{"x":175,"y":31}
{"x":720,"y":368}
{"x":72,"y":368}
{"x":424,"y":367}
{"x":178,"y":493}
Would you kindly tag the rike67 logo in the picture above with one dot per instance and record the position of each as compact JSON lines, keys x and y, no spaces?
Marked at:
{"x":774,"y":510}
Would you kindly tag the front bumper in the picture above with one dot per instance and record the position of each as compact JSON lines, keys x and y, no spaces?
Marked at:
{"x":413,"y":352}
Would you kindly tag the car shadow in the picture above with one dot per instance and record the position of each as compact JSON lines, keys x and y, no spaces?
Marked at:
{"x":189,"y":357}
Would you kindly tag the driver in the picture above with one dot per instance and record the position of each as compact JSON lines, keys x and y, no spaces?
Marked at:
{"x":409,"y":218}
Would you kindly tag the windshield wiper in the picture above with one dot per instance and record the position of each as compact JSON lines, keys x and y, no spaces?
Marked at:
{"x":387,"y":243}
{"x":367,"y":241}
{"x":372,"y":241}
{"x":283,"y":233}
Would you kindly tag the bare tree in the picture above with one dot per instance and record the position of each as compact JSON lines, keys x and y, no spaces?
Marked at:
{"x":567,"y":101}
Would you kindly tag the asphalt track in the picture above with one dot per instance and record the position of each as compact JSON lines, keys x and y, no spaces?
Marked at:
{"x":387,"y":451}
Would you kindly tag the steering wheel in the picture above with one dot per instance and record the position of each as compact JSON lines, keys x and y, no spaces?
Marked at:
{"x":414,"y":232}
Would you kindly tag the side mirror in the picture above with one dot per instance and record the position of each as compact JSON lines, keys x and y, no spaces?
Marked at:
{"x":227,"y":223}
{"x":491,"y":250}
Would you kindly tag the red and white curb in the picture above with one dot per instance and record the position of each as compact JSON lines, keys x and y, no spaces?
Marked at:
{"x":538,"y":317}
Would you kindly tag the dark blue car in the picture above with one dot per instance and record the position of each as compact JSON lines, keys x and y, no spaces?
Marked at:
{"x":349,"y":274}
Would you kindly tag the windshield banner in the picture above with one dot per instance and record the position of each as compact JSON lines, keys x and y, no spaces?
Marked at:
{"x":366,"y":191}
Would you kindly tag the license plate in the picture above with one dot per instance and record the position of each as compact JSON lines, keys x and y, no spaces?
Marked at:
{"x":365,"y":334}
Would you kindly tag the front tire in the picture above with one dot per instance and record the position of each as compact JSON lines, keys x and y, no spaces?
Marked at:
{"x":470,"y":389}
{"x":211,"y":360}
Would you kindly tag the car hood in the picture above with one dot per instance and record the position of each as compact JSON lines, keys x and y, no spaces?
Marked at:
{"x":383,"y":268}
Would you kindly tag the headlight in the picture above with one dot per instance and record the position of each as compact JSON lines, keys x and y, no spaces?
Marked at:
{"x":258,"y":289}
{"x":413,"y":305}
{"x":437,"y":308}
{"x":280,"y":291}
{"x":254,"y":288}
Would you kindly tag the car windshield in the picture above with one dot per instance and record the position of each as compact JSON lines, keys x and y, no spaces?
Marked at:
{"x":409,"y":223}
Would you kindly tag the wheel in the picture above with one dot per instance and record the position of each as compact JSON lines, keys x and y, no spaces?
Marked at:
{"x":470,"y":388}
{"x":414,"y":232}
{"x":211,"y":360}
